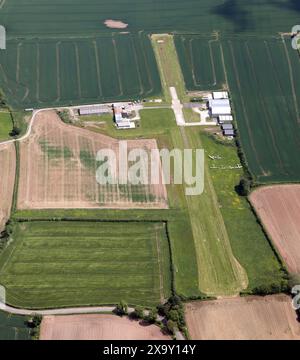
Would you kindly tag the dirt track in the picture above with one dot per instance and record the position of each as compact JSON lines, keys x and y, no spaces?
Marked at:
{"x":7,"y":176}
{"x":97,"y":327}
{"x":279,"y":209}
{"x":246,"y":318}
{"x":58,"y":170}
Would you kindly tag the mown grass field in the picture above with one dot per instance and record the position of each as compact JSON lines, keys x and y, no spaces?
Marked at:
{"x":5,"y":125}
{"x":153,"y":122}
{"x":57,"y":264}
{"x":64,"y":71}
{"x":249,"y":243}
{"x":13,"y":327}
{"x":262,"y":75}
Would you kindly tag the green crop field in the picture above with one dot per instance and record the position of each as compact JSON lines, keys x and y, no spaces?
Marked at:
{"x":39,"y":73}
{"x":57,"y":264}
{"x":5,"y":125}
{"x":75,"y":17}
{"x":262,"y":75}
{"x":13,"y":327}
{"x":200,"y":61}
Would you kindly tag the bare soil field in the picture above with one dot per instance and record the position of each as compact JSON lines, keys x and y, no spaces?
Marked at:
{"x":278,"y":207}
{"x":115,"y":24}
{"x":97,"y":327}
{"x":8,"y":169}
{"x":245,"y":318}
{"x":58,"y":170}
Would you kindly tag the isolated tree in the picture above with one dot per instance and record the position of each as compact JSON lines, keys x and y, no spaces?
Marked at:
{"x":244,"y":187}
{"x":15,"y":131}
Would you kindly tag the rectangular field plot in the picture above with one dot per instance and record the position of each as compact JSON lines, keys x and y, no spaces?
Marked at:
{"x":243,"y":318}
{"x":28,"y":17}
{"x":58,"y":169}
{"x":262,"y":75}
{"x":13,"y":327}
{"x":201,"y":61}
{"x":264,"y":79}
{"x":58,"y":264}
{"x":44,"y":72}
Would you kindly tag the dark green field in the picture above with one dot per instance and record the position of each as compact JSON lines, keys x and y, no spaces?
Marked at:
{"x":5,"y":125}
{"x":13,"y":327}
{"x":263,"y":77}
{"x":40,"y":73}
{"x":43,"y":17}
{"x":57,"y":264}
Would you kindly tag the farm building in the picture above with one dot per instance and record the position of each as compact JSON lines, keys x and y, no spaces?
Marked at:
{"x":219,"y":107}
{"x":122,"y":119}
{"x":227,"y":127}
{"x":217,"y":95}
{"x":126,"y":124}
{"x":93,"y":110}
{"x":225,"y":119}
{"x":228,"y":132}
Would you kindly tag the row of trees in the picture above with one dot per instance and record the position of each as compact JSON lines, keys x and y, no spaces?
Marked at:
{"x":169,"y":316}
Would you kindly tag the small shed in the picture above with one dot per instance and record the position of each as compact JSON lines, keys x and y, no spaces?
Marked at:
{"x":225,"y":119}
{"x":227,"y":127}
{"x":220,"y":95}
{"x":228,"y":132}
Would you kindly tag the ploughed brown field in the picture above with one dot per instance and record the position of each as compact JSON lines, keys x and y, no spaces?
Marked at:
{"x":58,"y":170}
{"x":97,"y":327}
{"x":278,"y":207}
{"x":7,"y":180}
{"x":243,"y":318}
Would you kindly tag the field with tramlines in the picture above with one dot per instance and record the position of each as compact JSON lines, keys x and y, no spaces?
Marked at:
{"x":73,"y":263}
{"x":64,"y":71}
{"x":262,"y":78}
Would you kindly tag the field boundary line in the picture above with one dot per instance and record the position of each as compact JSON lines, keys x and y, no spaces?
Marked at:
{"x":291,"y":78}
{"x":98,"y":66}
{"x":37,"y":72}
{"x":142,"y":90}
{"x":77,"y":58}
{"x":57,"y":46}
{"x":118,"y":67}
{"x":18,"y":62}
{"x":2,"y":3}
{"x":151,"y":89}
{"x":161,"y":281}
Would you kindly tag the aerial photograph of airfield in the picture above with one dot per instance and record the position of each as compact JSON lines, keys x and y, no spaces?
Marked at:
{"x":83,"y":259}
